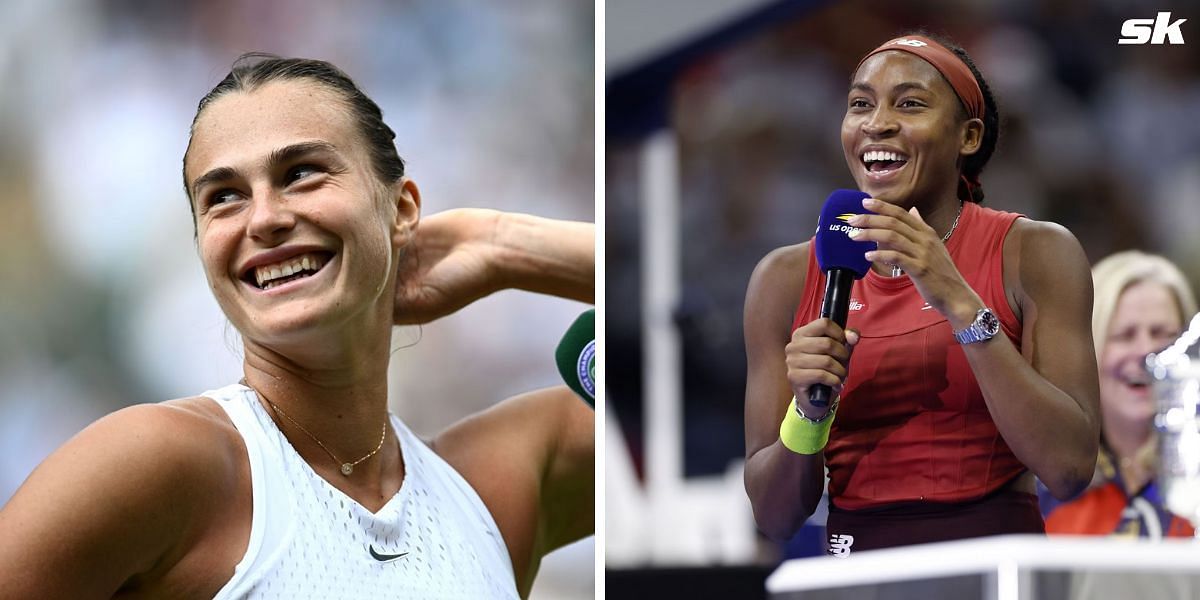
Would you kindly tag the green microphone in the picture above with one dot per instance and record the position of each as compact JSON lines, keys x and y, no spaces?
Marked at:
{"x":576,"y":356}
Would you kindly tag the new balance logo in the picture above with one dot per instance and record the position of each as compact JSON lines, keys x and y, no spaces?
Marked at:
{"x":839,"y":545}
{"x":1153,"y":31}
{"x":908,"y":42}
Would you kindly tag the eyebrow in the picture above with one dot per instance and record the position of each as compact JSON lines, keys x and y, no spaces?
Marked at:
{"x":900,"y":87}
{"x":277,"y":156}
{"x":213,"y":176}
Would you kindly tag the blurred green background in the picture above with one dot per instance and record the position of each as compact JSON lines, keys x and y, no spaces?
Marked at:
{"x":104,"y":303}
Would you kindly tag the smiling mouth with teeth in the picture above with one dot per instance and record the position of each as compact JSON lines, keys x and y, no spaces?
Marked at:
{"x":265,"y":277}
{"x":1137,"y":381}
{"x":878,"y":161}
{"x":1136,"y":384}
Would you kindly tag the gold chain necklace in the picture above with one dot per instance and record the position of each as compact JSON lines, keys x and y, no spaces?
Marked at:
{"x":897,"y":271}
{"x":347,"y":467}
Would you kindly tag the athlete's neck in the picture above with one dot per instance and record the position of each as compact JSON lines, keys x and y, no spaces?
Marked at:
{"x":343,"y":406}
{"x":940,"y":214}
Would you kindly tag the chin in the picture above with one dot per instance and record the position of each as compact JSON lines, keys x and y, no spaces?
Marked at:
{"x":288,"y":328}
{"x":884,"y":195}
{"x":886,"y":192}
{"x":1146,"y":410}
{"x":1139,"y":410}
{"x":889,"y":195}
{"x":273,"y":335}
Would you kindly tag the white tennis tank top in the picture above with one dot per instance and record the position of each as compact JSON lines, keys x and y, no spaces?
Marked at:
{"x":434,"y":539}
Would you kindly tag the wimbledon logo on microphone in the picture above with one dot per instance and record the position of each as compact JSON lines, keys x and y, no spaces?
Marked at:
{"x":846,"y":229}
{"x":586,"y":368}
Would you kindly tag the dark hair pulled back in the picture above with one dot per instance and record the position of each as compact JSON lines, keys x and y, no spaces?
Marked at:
{"x":253,"y":70}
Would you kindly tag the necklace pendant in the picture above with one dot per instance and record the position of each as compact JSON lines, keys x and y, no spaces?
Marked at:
{"x":347,"y":469}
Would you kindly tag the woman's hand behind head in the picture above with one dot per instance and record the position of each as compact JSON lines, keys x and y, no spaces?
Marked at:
{"x":462,"y":255}
{"x":448,"y":266}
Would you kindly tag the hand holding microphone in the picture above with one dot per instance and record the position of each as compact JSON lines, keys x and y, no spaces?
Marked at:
{"x":819,"y":353}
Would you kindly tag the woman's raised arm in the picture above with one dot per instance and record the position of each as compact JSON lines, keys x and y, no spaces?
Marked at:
{"x":464,"y":254}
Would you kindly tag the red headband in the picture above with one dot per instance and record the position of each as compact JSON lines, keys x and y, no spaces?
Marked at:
{"x":946,"y":62}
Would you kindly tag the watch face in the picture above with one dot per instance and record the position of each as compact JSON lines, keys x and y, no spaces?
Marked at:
{"x":991,"y":325}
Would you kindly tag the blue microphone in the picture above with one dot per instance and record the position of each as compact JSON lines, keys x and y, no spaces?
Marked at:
{"x":842,"y":260}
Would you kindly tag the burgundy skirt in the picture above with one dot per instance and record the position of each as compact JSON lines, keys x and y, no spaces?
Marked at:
{"x":1000,"y":513}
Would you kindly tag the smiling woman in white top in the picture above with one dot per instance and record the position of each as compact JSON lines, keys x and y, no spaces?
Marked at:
{"x":296,"y":482}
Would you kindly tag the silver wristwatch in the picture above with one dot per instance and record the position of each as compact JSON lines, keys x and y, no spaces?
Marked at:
{"x":984,"y":328}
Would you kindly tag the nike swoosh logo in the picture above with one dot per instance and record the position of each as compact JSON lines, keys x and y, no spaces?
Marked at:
{"x":926,"y":307}
{"x":385,"y":557}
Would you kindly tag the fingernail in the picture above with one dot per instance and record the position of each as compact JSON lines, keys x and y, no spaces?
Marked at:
{"x":856,"y":220}
{"x":870,"y":256}
{"x":868,"y":202}
{"x":854,"y":233}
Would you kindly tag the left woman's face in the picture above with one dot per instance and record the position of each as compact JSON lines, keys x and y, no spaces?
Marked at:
{"x":293,"y":229}
{"x":1146,"y":320}
{"x":903,"y":130}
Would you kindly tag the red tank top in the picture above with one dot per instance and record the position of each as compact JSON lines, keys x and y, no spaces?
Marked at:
{"x":912,"y":424}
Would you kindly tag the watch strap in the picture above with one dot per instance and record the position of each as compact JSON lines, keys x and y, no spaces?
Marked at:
{"x":983,"y":328}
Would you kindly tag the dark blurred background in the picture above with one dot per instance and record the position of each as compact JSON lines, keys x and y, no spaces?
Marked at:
{"x":746,"y":107}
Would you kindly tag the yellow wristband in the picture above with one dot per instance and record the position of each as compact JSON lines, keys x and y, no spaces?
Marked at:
{"x":803,"y":435}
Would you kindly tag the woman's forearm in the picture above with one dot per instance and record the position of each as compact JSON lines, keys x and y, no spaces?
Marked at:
{"x":547,"y":256}
{"x":1046,"y":428}
{"x":784,"y":488}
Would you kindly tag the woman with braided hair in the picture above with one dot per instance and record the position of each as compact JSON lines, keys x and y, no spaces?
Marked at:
{"x":966,"y":365}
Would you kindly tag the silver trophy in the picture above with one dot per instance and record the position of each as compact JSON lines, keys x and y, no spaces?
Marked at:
{"x":1176,"y":373}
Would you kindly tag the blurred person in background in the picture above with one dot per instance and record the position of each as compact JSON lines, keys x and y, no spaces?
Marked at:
{"x":1142,"y":303}
{"x":941,"y":423}
{"x":297,"y":482}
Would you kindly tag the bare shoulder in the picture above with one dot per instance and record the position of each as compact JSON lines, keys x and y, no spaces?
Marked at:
{"x":1030,"y":234}
{"x":151,"y":441}
{"x":200,"y":413}
{"x":192,"y":433}
{"x":117,"y":499}
{"x":1040,"y":255}
{"x":774,"y":293}
{"x":789,"y":261}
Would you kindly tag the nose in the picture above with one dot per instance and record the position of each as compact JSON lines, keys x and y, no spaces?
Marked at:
{"x":270,"y":217}
{"x":1146,"y":344}
{"x":879,"y":123}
